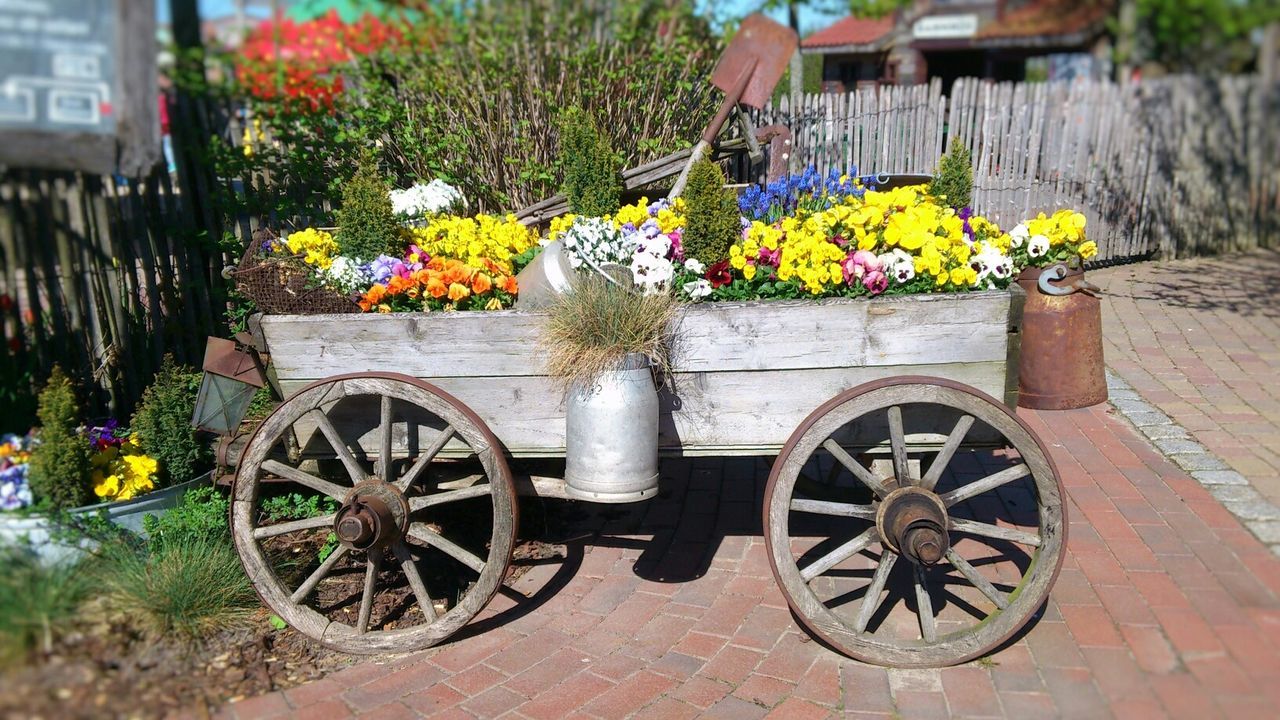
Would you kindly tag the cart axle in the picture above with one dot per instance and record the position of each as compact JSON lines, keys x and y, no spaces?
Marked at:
{"x":913,"y":522}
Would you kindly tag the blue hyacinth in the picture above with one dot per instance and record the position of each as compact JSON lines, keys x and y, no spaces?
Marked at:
{"x":808,"y":190}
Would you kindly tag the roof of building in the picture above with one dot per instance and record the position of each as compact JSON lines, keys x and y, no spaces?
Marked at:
{"x":850,"y":31}
{"x":1049,"y":18}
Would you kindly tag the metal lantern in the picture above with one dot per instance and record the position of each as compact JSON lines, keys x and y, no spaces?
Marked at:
{"x":231,"y":377}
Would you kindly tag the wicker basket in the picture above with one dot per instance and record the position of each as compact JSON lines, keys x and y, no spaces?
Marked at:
{"x":283,"y":285}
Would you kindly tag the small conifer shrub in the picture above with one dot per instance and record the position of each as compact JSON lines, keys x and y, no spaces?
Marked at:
{"x":592,"y":172}
{"x":163,"y":423}
{"x":954,"y":181}
{"x":367,"y":224}
{"x":60,"y":463}
{"x":713,"y":223}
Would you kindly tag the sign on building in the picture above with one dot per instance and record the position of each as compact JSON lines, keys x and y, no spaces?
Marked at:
{"x":78,"y":86}
{"x":940,"y":27}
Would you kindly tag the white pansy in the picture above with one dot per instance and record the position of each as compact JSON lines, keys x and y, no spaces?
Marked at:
{"x":898,"y":265}
{"x":692,"y":265}
{"x":1037,"y":246}
{"x":1019,"y":235}
{"x":597,"y":240}
{"x":421,"y":200}
{"x":991,"y":265}
{"x":699,"y":288}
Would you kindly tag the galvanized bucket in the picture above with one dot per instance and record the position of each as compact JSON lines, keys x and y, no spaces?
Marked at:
{"x":611,"y":453}
{"x":545,"y":279}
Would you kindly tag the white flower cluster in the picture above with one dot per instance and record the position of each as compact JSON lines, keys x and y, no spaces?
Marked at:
{"x":597,"y":240}
{"x":651,"y":266}
{"x":991,"y":264}
{"x":1037,"y":245}
{"x":347,"y":275}
{"x":899,"y":266}
{"x":421,"y":200}
{"x":699,"y":288}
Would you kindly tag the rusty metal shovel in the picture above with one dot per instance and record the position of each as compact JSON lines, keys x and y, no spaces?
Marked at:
{"x":747,"y":72}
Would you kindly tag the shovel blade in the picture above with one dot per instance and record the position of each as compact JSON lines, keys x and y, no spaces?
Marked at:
{"x":763,"y":47}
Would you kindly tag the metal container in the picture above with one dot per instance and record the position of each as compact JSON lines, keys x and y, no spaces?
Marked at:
{"x":611,"y":446}
{"x":1061,"y":366}
{"x":545,"y":279}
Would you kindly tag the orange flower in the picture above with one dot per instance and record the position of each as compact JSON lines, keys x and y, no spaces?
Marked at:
{"x":421,"y":276}
{"x":436,"y":288}
{"x":365,"y":305}
{"x":458,"y":291}
{"x":437,"y":263}
{"x":481,"y":284}
{"x":398,"y":285}
{"x":376,"y":294}
{"x":508,"y":284}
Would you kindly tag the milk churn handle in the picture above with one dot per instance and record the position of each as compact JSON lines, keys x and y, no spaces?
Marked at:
{"x":1058,"y":272}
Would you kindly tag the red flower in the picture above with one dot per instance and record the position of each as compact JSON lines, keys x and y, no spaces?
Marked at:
{"x":6,"y":303}
{"x":719,"y":274}
{"x":15,"y":344}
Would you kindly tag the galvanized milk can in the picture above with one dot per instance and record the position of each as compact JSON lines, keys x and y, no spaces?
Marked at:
{"x":1061,"y":365}
{"x":611,"y":448}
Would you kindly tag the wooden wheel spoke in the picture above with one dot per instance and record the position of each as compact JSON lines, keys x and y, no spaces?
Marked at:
{"x":823,"y":507}
{"x":320,"y":573}
{"x":417,"y":503}
{"x":939,"y":464}
{"x":422,"y":533}
{"x":971,"y":573}
{"x":268,"y":531}
{"x":994,"y":531}
{"x":338,"y":444}
{"x":871,"y":600}
{"x":337,"y":492}
{"x":852,"y":465}
{"x":924,"y":607}
{"x":897,"y":439}
{"x":425,"y":458}
{"x":384,"y":441}
{"x":990,"y":482}
{"x":415,"y":580}
{"x":839,"y":555}
{"x":370,"y":585}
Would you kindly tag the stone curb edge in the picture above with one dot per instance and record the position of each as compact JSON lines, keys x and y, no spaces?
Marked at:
{"x":1229,"y":487}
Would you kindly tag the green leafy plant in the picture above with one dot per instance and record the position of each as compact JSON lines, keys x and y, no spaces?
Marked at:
{"x":185,"y":586}
{"x":163,"y":423}
{"x":954,"y":181}
{"x":592,"y":179}
{"x":60,"y":463}
{"x":37,"y":602}
{"x":713,"y":223}
{"x":367,"y":224}
{"x":296,"y":506}
{"x":591,"y":330}
{"x":203,"y":513}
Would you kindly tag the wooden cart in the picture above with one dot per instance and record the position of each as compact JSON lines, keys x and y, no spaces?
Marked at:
{"x":890,"y":444}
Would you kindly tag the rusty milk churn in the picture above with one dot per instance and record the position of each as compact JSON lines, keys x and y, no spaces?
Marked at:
{"x":1061,"y":365}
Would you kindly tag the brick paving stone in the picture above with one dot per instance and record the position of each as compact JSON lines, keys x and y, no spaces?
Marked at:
{"x":923,"y":705}
{"x":435,"y":699}
{"x":261,"y":707}
{"x":733,"y":708}
{"x":764,"y":690}
{"x":797,"y":709}
{"x":970,"y":692}
{"x":866,"y":688}
{"x":628,"y":697}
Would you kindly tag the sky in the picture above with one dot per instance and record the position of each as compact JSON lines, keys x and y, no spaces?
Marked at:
{"x":809,"y":21}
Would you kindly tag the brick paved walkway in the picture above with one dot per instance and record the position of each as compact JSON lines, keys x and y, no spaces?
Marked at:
{"x":1165,"y":606}
{"x":1200,"y":339}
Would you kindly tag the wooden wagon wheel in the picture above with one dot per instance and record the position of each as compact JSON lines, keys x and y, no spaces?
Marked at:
{"x":966,"y":583}
{"x":393,"y":523}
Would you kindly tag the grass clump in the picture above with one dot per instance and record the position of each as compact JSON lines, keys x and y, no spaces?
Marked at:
{"x":163,"y":423}
{"x":592,"y":173}
{"x":954,"y":181}
{"x":60,"y":463}
{"x":38,"y":601}
{"x":591,"y":330}
{"x":367,"y":224}
{"x":713,"y":220}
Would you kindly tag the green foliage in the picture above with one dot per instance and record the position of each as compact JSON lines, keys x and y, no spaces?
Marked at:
{"x":367,"y":225}
{"x":472,"y":98}
{"x":954,"y":180}
{"x":186,"y":586}
{"x":296,"y":506}
{"x":713,"y":221}
{"x":38,"y":601}
{"x":163,"y":423}
{"x":203,"y":513}
{"x":592,"y":179}
{"x":60,"y":463}
{"x":1202,"y":36}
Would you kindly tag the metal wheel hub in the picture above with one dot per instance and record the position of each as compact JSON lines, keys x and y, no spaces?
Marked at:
{"x":374,"y":515}
{"x":912,"y":521}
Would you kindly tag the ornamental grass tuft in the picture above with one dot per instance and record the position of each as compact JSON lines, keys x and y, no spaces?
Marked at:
{"x":38,"y":602}
{"x":591,"y":330}
{"x":185,"y":588}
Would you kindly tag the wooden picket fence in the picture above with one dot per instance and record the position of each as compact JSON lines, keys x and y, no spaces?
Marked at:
{"x":1167,"y":168}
